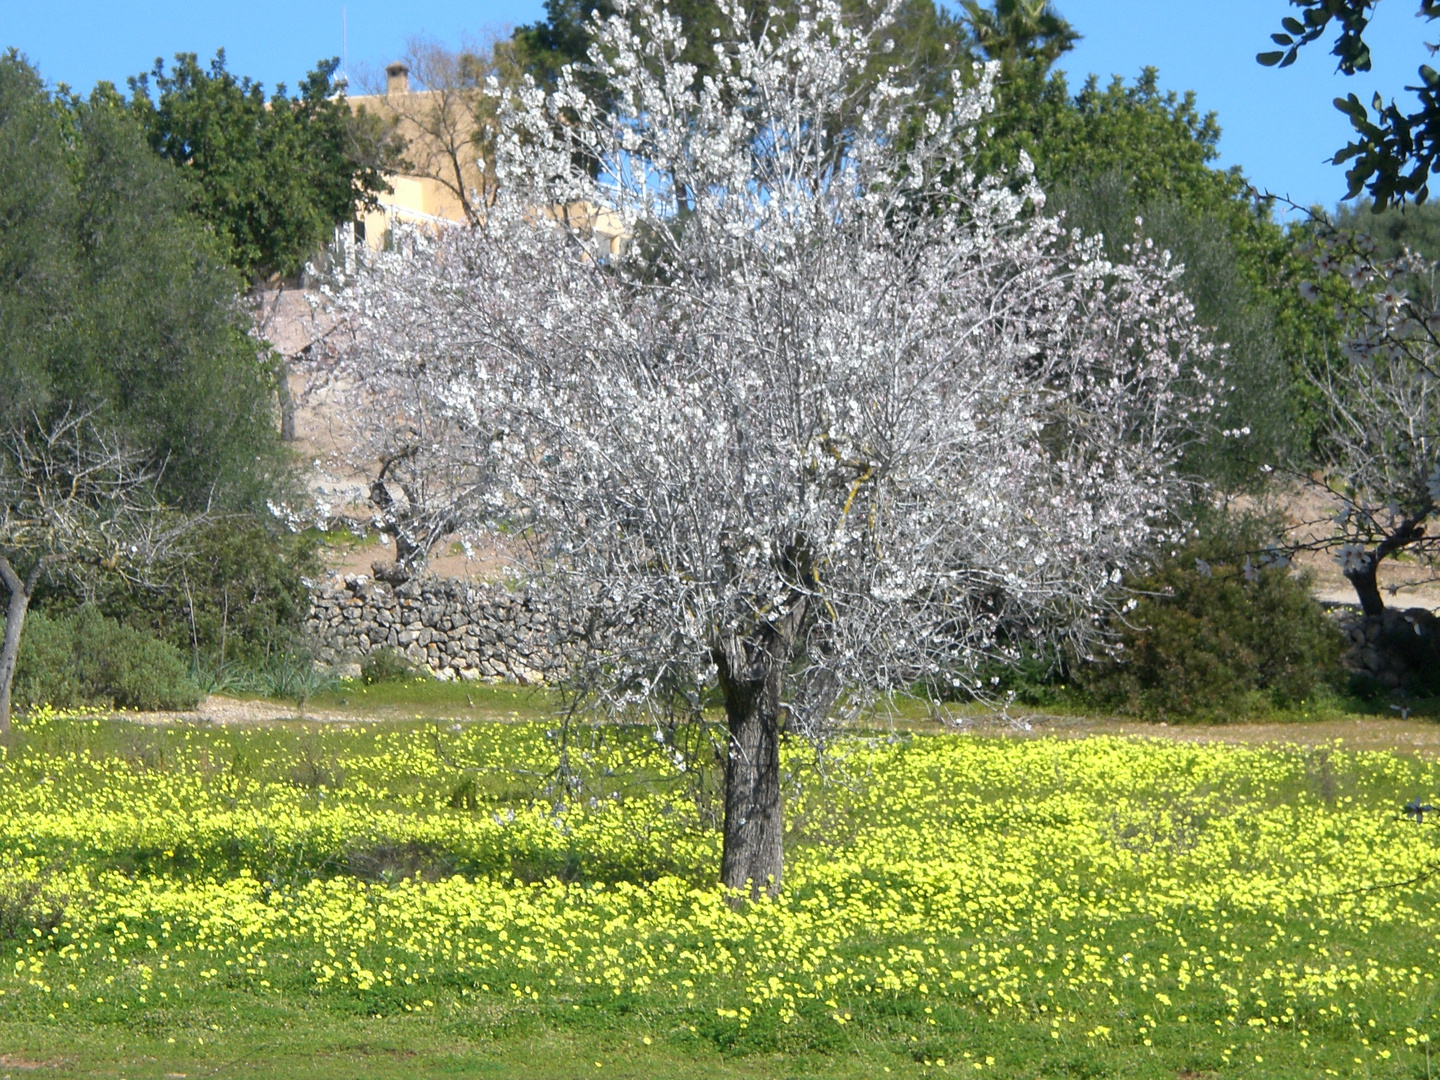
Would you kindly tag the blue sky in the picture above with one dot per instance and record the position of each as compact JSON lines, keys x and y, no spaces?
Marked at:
{"x":1278,"y":125}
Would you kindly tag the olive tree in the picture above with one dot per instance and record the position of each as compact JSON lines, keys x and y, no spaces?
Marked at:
{"x":841,"y":417}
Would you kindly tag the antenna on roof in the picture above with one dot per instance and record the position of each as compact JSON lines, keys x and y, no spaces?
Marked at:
{"x":344,"y":49}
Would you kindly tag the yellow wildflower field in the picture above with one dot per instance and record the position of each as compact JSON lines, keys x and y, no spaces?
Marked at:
{"x":953,"y":905}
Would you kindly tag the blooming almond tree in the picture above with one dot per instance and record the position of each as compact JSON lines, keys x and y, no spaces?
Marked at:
{"x":426,"y":475}
{"x":840,"y":418}
{"x":1380,"y":399}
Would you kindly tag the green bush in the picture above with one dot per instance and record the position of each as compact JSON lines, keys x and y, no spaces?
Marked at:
{"x":236,"y":600}
{"x":1207,"y":639}
{"x":385,"y":665}
{"x":87,"y":659}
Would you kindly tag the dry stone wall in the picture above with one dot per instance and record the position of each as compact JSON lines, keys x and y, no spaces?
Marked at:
{"x":461,"y":630}
{"x":1400,"y":649}
{"x":457,"y":629}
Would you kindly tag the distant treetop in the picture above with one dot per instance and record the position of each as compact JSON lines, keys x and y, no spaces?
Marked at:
{"x":272,"y":177}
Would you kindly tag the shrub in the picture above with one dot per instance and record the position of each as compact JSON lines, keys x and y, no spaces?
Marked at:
{"x":293,"y":675}
{"x":238,"y":597}
{"x":1209,"y":639}
{"x":289,"y":673}
{"x":29,"y":904}
{"x":87,"y":659}
{"x":386,"y":665}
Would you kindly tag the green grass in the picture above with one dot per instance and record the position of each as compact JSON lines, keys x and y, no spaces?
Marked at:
{"x":428,"y":697}
{"x":419,"y":898}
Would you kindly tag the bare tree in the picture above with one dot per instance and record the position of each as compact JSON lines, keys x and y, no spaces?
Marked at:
{"x":76,"y":500}
{"x":445,"y":112}
{"x":842,"y":417}
{"x":1380,"y":399}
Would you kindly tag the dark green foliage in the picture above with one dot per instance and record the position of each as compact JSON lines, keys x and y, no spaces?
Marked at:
{"x":117,"y":299}
{"x":87,"y":659}
{"x":114,"y":297}
{"x":1038,"y":679}
{"x":1265,"y":393}
{"x":1019,"y":32}
{"x":35,"y":259}
{"x":561,"y":38}
{"x":273,"y":177}
{"x":1158,"y":142}
{"x":247,"y":594}
{"x":1207,"y":639}
{"x":385,"y":666}
{"x":234,"y":603}
{"x":238,"y":596}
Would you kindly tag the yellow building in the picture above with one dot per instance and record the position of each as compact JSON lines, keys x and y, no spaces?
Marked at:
{"x":443,"y":140}
{"x":438,"y":129}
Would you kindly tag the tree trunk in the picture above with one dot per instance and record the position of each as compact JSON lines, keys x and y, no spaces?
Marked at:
{"x":753,"y":855}
{"x":752,"y":676}
{"x":1363,"y":577}
{"x":287,"y":400}
{"x":1367,"y":588}
{"x":15,"y":612}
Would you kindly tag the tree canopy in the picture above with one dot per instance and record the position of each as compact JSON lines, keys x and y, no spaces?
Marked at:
{"x":273,"y":176}
{"x":116,"y":299}
{"x":924,"y":38}
{"x":865,"y":421}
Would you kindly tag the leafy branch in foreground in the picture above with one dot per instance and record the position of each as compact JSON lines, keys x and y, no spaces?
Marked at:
{"x":1395,"y":153}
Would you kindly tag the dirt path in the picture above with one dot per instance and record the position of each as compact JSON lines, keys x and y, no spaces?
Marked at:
{"x":225,"y":711}
{"x":1412,"y":736}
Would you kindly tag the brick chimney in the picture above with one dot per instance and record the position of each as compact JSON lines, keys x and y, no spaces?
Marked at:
{"x":397,"y":79}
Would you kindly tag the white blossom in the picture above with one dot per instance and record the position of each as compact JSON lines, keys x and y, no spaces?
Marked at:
{"x":834,"y":389}
{"x":1352,"y":558}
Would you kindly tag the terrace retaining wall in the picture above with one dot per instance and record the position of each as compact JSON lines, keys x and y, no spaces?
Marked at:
{"x":1400,"y":650}
{"x":459,"y":630}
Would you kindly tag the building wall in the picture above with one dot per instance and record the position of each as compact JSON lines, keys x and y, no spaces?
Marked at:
{"x":418,"y":198}
{"x":423,"y":199}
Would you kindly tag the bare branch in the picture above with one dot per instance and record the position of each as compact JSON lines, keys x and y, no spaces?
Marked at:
{"x":74,"y":499}
{"x":1381,"y":402}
